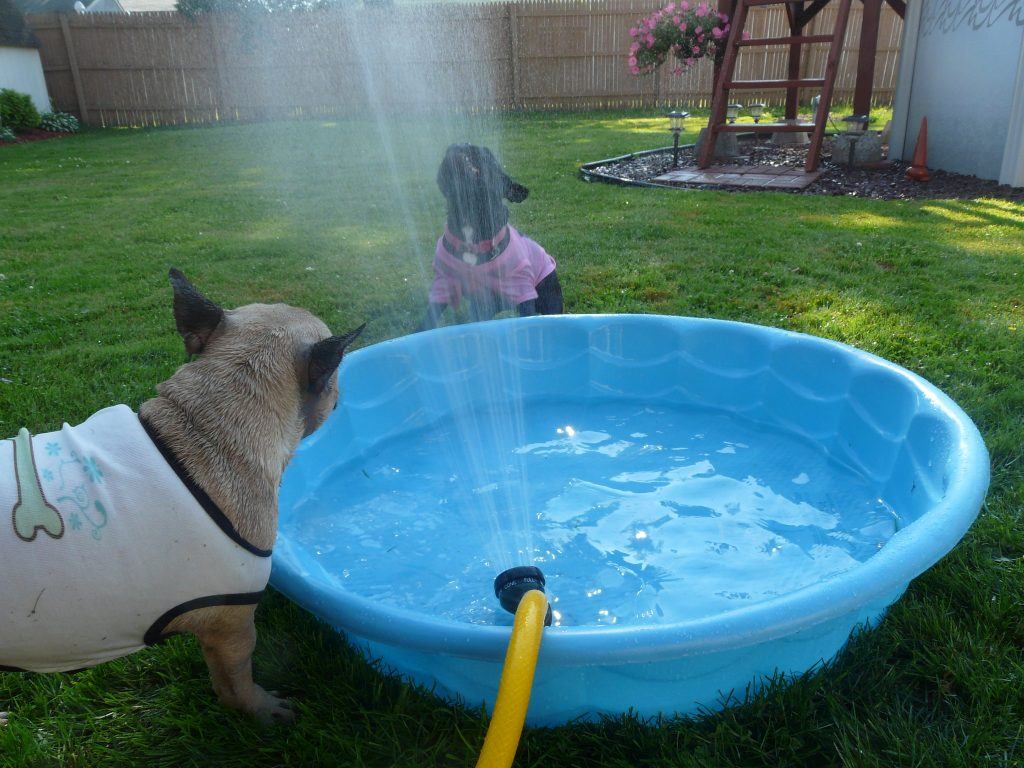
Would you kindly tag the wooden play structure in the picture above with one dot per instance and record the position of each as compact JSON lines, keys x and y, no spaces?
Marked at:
{"x":798,"y":14}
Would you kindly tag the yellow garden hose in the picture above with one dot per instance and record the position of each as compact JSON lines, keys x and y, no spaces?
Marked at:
{"x":516,"y":682}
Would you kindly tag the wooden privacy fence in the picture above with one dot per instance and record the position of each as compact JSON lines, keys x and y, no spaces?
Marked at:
{"x":162,"y":68}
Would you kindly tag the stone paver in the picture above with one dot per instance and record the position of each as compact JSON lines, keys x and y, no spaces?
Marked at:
{"x":758,"y":176}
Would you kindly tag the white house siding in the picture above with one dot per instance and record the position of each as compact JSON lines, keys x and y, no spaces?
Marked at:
{"x":963,"y":68}
{"x":21,"y":69}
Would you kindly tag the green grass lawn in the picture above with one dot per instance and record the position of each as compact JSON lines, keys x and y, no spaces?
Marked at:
{"x":303,"y":213}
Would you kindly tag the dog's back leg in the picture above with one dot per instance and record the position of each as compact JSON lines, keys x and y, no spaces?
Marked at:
{"x":227,"y":635}
{"x":433,"y":316}
{"x":549,"y":296}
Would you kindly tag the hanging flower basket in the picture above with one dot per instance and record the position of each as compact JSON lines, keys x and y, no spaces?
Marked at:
{"x":682,"y":31}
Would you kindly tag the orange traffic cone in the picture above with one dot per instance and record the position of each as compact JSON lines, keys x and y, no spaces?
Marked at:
{"x":918,"y":170}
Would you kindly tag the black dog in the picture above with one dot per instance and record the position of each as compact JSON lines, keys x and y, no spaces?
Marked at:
{"x":481,"y":256}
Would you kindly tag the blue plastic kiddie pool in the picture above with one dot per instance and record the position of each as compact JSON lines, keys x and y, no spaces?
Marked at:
{"x":710,"y":502}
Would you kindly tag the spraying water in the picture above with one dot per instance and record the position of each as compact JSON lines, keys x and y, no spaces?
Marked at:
{"x":380,"y":178}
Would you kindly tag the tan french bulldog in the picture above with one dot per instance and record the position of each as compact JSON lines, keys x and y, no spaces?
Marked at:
{"x":128,"y":528}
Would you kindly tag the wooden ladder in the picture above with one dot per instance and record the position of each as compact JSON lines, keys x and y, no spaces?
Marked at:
{"x":725,"y":84}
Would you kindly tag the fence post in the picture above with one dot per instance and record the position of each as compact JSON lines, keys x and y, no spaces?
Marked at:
{"x":513,"y":44}
{"x":218,"y":68}
{"x":76,"y":77}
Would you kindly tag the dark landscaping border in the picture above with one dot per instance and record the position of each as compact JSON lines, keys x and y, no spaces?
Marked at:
{"x":587,"y":172}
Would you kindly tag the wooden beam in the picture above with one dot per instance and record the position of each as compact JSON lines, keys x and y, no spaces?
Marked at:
{"x":866,"y":57}
{"x":720,"y":97}
{"x":728,"y":7}
{"x":76,"y":77}
{"x":757,"y":85}
{"x":831,"y":66}
{"x":899,"y":6}
{"x":766,"y":127}
{"x":810,"y":12}
{"x":788,"y":40}
{"x":793,"y":12}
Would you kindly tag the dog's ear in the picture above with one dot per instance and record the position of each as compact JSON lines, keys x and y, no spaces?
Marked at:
{"x":325,"y":356}
{"x":444,"y":179}
{"x":514,"y":191}
{"x":446,"y":170}
{"x":195,"y":315}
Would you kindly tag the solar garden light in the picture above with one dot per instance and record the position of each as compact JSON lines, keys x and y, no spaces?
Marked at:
{"x":856,"y":123}
{"x":675,"y":124}
{"x":756,"y":110}
{"x":732,"y":112}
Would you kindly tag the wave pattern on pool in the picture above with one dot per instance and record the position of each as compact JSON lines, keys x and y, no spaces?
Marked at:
{"x":724,"y":502}
{"x":641,"y":515}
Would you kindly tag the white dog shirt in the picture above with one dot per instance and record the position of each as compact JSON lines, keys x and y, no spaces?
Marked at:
{"x":104,"y":539}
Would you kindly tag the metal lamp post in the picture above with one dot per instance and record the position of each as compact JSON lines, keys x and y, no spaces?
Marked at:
{"x":675,"y":123}
{"x":856,"y":127}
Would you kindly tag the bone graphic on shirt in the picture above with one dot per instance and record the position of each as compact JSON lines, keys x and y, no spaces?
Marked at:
{"x":31,"y":512}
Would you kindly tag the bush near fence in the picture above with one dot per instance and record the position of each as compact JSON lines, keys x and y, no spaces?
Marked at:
{"x":162,"y":68}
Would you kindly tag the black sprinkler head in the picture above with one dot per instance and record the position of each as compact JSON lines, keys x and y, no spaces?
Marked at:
{"x":511,"y":585}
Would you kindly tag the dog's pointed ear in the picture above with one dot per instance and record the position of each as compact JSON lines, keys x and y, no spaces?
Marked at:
{"x":195,"y":315}
{"x":514,"y":191}
{"x":325,"y":356}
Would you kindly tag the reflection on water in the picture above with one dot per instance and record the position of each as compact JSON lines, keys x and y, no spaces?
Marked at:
{"x":640,"y":515}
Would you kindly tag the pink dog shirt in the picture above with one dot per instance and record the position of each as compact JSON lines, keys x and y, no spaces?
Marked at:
{"x":513,"y":274}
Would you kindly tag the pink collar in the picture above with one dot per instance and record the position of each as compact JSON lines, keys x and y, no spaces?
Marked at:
{"x":455,"y":246}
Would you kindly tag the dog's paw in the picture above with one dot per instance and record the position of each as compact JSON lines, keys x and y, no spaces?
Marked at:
{"x":269,"y":708}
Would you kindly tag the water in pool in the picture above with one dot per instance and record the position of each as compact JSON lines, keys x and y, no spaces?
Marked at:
{"x":640,"y":515}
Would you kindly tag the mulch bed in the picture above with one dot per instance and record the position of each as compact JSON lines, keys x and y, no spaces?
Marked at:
{"x":34,"y":134}
{"x":887,"y":183}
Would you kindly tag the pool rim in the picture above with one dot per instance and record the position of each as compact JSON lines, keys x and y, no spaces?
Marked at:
{"x":907,"y":554}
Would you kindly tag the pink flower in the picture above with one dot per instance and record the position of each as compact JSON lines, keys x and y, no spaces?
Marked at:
{"x":634,"y":70}
{"x":633,"y":32}
{"x":746,"y":35}
{"x":675,"y":20}
{"x":696,"y":50}
{"x":684,"y":6}
{"x":699,"y":30}
{"x":632,"y":61}
{"x":690,"y":62}
{"x":670,"y":7}
{"x":634,"y":48}
{"x":716,"y":33}
{"x":650,"y":40}
{"x":678,"y":71}
{"x":682,"y":27}
{"x":702,"y":10}
{"x":722,"y":17}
